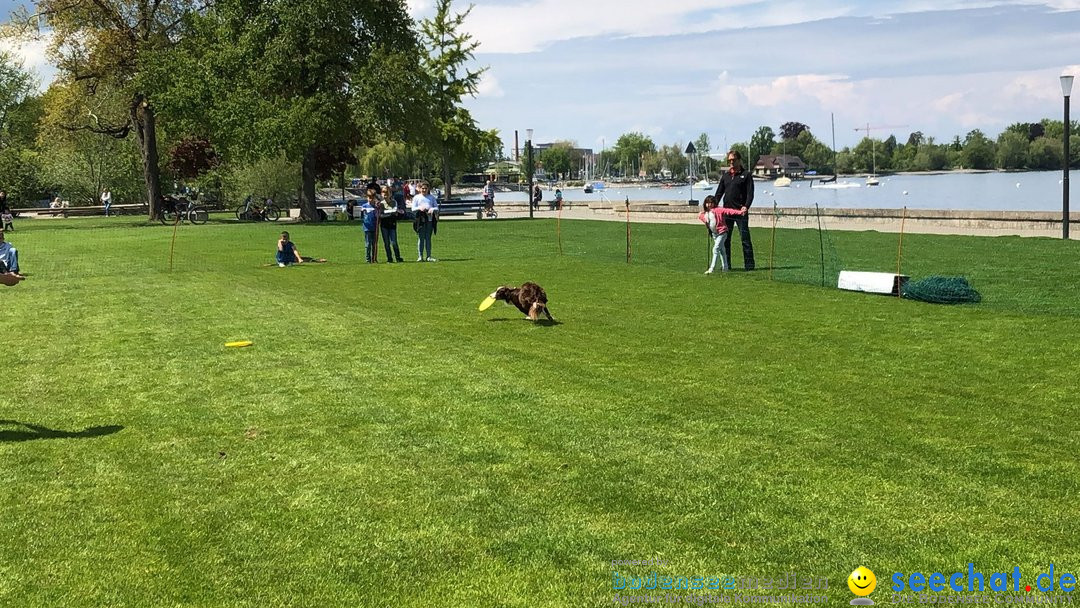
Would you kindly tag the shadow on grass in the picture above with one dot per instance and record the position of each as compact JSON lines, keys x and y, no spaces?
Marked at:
{"x":30,"y":432}
{"x":543,"y":322}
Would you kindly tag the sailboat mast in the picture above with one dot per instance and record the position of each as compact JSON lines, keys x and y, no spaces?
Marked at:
{"x":835,"y":166}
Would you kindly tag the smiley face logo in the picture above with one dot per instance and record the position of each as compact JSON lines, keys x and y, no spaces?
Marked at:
{"x":862,"y":581}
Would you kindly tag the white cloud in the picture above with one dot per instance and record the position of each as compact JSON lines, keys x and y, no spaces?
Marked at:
{"x":419,"y":8}
{"x":533,"y":25}
{"x":34,"y":57}
{"x":489,"y":86}
{"x":827,"y":90}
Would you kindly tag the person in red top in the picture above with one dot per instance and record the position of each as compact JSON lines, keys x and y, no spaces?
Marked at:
{"x":714,"y":219}
{"x":736,"y":190}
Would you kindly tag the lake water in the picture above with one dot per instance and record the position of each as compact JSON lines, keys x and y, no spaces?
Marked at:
{"x":1027,"y":191}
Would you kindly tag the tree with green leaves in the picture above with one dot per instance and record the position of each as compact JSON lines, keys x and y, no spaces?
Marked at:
{"x":449,"y":80}
{"x":1012,"y":149}
{"x":101,"y":48}
{"x":16,"y":84}
{"x":791,"y":130}
{"x":1046,"y":153}
{"x":80,"y":162}
{"x":979,"y":151}
{"x":760,"y":143}
{"x":558,"y":159}
{"x":629,"y":151}
{"x":295,"y":77}
{"x":702,"y":149}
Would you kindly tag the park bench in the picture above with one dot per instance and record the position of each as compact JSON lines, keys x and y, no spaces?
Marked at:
{"x":462,"y":207}
{"x":126,"y":209}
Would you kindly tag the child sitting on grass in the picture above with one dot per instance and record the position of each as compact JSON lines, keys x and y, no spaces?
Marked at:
{"x":713,"y":218}
{"x":288,"y":254}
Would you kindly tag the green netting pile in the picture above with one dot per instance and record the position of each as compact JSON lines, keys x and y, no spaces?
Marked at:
{"x":941,"y":290}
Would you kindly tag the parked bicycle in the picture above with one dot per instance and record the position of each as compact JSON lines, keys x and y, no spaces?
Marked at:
{"x":177,"y":209}
{"x":251,"y":211}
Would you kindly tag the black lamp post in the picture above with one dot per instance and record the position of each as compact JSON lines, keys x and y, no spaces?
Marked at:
{"x":529,"y":167}
{"x":1066,"y":89}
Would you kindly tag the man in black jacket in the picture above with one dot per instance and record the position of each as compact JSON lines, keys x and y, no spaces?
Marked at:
{"x":736,"y":189}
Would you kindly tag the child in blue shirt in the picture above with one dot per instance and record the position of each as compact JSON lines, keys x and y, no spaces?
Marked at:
{"x":371,"y":225}
{"x":286,"y":252}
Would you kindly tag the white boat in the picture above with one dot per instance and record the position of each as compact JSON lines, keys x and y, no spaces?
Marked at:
{"x":872,"y":180}
{"x":782,"y":182}
{"x":704,"y":185}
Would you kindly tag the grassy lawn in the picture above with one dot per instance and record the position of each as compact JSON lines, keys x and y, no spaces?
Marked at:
{"x":385,"y":444}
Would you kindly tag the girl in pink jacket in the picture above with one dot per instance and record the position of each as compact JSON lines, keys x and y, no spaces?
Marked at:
{"x":713,"y":218}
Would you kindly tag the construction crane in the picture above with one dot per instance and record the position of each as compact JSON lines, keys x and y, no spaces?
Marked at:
{"x":872,"y":180}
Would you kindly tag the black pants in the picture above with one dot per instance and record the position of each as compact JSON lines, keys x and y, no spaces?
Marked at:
{"x":744,"y":235}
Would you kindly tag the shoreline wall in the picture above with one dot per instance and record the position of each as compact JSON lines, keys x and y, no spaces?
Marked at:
{"x":940,"y":221}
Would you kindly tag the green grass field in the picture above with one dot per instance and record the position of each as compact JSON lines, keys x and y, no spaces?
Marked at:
{"x":385,"y":444}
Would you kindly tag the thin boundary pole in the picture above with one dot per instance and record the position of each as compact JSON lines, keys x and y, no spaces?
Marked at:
{"x":821,"y":244}
{"x":628,"y":230}
{"x":900,"y":252}
{"x":375,"y":251}
{"x":772,"y":245}
{"x":558,"y":226}
{"x":172,"y":244}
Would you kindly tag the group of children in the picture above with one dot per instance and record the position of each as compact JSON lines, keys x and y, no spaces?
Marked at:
{"x":380,"y":215}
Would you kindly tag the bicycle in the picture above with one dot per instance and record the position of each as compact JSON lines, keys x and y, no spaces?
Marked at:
{"x":178,"y":209}
{"x":250,"y":212}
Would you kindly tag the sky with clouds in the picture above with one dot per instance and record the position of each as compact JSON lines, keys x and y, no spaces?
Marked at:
{"x":591,"y":70}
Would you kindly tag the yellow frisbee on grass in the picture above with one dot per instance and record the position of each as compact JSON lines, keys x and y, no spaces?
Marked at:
{"x":486,"y":304}
{"x":239,"y":344}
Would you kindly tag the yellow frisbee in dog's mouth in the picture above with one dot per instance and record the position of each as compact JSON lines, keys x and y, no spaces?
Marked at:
{"x":486,"y":304}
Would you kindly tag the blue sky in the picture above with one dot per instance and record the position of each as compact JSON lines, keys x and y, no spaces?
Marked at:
{"x":591,"y":70}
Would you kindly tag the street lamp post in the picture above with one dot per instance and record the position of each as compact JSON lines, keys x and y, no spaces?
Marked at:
{"x":1066,"y":89}
{"x":529,"y":167}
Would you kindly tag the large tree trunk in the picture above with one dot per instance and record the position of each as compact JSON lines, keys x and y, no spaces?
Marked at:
{"x":447,"y":171}
{"x":308,"y":211}
{"x":142,"y":116}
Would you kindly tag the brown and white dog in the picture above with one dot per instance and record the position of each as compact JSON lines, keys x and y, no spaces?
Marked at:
{"x":529,"y":299}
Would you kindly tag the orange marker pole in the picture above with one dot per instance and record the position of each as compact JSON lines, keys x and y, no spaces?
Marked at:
{"x":558,"y":228}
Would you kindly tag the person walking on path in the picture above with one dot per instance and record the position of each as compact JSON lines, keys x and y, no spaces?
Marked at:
{"x":106,"y":200}
{"x":736,"y":190}
{"x":426,"y":211}
{"x":489,"y":196}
